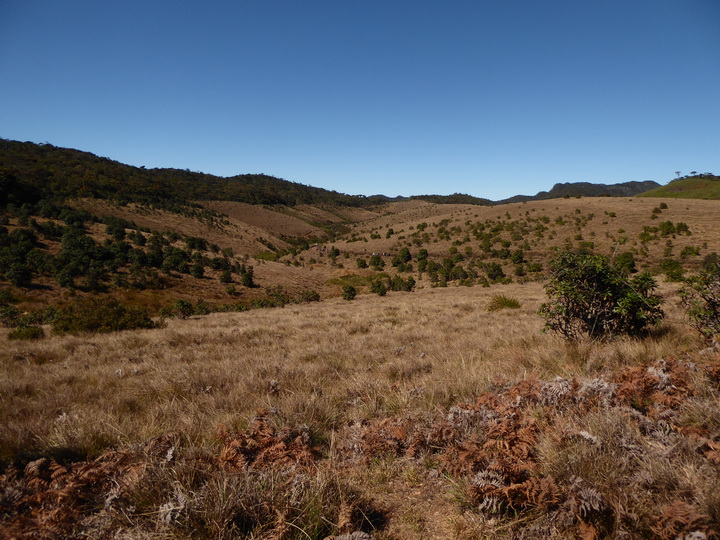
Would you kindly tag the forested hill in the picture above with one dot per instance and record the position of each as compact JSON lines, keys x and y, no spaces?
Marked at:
{"x":29,"y":172}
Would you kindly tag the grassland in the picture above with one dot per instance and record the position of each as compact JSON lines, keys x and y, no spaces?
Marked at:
{"x":433,"y":414}
{"x":441,"y":413}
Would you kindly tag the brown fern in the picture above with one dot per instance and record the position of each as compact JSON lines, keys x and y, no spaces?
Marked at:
{"x":679,"y":518}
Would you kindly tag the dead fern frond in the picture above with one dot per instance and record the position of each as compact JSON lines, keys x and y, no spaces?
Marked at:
{"x":680,"y":518}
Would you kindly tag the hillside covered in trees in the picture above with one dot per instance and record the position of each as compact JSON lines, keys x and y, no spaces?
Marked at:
{"x":30,"y":172}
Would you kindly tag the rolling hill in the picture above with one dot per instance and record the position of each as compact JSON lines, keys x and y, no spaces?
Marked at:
{"x":705,"y":186}
{"x":75,"y":223}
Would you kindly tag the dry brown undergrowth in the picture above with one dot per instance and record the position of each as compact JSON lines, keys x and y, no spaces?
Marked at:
{"x":423,"y":408}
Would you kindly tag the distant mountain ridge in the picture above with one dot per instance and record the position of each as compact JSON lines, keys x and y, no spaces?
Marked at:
{"x":586,"y":189}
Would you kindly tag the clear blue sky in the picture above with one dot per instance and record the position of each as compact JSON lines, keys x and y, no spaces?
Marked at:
{"x":486,"y":97}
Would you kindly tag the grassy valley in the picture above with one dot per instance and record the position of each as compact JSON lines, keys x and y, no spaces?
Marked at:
{"x":299,"y":363}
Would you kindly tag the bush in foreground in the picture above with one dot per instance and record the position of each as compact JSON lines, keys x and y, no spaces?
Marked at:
{"x":700,"y":296}
{"x":589,"y":296}
{"x":98,"y":315}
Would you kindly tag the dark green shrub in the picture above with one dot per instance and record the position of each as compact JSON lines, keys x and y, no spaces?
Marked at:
{"x":27,"y":333}
{"x":197,"y":271}
{"x":589,"y":296}
{"x":362,"y":263}
{"x":672,"y":269}
{"x":378,"y":288}
{"x":349,"y":292}
{"x":535,"y":267}
{"x":226,"y":277}
{"x":625,"y":262}
{"x":100,"y":315}
{"x":277,"y":296}
{"x":682,"y":228}
{"x":246,"y":276}
{"x":201,"y":308}
{"x":667,"y":228}
{"x":517,"y":257}
{"x":183,"y":308}
{"x":689,"y":251}
{"x":19,"y":274}
{"x":494,"y":271}
{"x":9,"y":315}
{"x":308,"y":295}
{"x":700,"y":296}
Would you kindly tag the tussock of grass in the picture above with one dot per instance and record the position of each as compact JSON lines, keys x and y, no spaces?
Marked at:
{"x":500,"y":301}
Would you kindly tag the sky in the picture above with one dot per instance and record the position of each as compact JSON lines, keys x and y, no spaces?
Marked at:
{"x":395,"y":97}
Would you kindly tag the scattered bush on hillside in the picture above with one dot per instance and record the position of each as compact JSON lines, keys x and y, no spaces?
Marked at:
{"x":625,"y":262}
{"x":201,"y":308}
{"x":700,"y":296}
{"x":378,"y":288}
{"x":97,"y":315}
{"x":226,"y":277}
{"x":689,"y":251}
{"x":396,"y":283}
{"x":672,"y":269}
{"x":377,"y":262}
{"x":349,"y":292}
{"x":247,"y":276}
{"x":589,"y":296}
{"x":500,"y":301}
{"x":308,"y":295}
{"x":9,"y":315}
{"x":26,"y":333}
{"x":183,"y":308}
{"x":494,"y":271}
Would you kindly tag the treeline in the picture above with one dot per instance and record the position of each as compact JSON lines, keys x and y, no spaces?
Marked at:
{"x":29,"y":172}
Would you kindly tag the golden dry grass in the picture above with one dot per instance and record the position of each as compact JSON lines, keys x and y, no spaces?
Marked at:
{"x":273,"y":221}
{"x":330,"y":369}
{"x":243,"y":238}
{"x":630,"y":216}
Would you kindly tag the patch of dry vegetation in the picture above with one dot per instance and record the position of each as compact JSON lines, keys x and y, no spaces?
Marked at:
{"x":409,"y":415}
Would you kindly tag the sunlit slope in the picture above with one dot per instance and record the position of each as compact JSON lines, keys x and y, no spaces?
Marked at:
{"x":695,"y":187}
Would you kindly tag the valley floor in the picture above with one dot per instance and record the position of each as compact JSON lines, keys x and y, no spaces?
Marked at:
{"x":415,"y":415}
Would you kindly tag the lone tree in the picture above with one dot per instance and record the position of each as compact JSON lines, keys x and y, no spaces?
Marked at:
{"x":590,"y":296}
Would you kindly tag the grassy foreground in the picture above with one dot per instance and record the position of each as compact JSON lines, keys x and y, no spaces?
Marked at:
{"x":444,"y":413}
